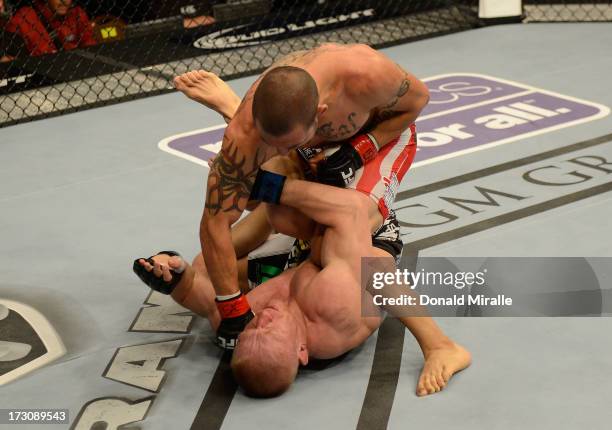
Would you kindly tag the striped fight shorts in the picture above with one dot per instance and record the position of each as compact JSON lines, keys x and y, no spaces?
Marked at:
{"x":380,"y":178}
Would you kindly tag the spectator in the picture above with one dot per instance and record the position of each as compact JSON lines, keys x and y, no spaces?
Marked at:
{"x":52,"y":25}
{"x":197,"y":21}
{"x":11,"y":45}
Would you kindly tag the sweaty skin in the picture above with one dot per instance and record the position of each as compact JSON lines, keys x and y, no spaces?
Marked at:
{"x":332,"y":321}
{"x":209,"y":90}
{"x":358,"y":88}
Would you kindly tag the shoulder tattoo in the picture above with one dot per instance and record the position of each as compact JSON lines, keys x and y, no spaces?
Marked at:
{"x":387,"y":111}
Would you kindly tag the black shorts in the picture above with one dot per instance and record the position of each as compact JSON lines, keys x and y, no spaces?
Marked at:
{"x":281,"y":252}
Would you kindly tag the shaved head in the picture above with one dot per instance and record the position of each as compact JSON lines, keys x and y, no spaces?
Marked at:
{"x":265,"y":365}
{"x":286,"y":97}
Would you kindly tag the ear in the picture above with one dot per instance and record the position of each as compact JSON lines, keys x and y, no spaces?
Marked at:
{"x":321,"y":109}
{"x":303,"y":354}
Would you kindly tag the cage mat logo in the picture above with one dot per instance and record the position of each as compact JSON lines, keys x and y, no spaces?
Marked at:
{"x":467,"y":112}
{"x":139,"y":365}
{"x":27,"y":341}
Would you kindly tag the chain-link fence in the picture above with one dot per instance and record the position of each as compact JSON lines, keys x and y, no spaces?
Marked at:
{"x":567,"y":11}
{"x":61,"y":56}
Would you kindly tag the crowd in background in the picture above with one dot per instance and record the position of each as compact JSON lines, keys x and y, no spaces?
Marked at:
{"x":41,"y":27}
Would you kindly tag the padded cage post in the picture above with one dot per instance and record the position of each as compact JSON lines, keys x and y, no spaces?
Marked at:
{"x":500,"y":11}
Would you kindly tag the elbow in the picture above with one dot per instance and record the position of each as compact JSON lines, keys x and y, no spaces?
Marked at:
{"x":423,"y":99}
{"x":426,"y":98}
{"x":355,"y":209}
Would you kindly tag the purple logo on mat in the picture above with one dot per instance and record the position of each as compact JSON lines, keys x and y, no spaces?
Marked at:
{"x":467,"y":112}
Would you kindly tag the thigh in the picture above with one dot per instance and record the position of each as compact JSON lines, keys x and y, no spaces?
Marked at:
{"x":380,"y":178}
{"x":290,"y":221}
{"x":270,"y":259}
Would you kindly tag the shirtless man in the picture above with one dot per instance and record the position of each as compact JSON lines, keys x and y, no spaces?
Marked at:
{"x":314,"y":310}
{"x":333,"y":93}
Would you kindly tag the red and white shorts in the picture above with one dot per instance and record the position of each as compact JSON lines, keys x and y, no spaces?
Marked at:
{"x":380,"y":178}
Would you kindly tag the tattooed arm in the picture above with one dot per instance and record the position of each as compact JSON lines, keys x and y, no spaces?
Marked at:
{"x":395,"y":96}
{"x":229,"y":186}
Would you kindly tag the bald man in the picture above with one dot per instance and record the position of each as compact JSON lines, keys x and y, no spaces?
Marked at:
{"x":314,"y":310}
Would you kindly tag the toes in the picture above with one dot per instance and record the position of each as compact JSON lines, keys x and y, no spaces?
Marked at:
{"x":433,"y":384}
{"x":206,"y":74}
{"x":440,"y":380}
{"x":202,"y":74}
{"x":193,"y":77}
{"x":421,"y":390}
{"x":424,"y":387}
{"x":184,"y":79}
{"x":181,"y":81}
{"x":429,"y":384}
{"x":429,"y":388}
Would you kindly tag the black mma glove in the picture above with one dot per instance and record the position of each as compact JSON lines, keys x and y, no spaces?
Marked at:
{"x":235,"y":315}
{"x":158,"y":283}
{"x":304,"y":156}
{"x":339,"y":169}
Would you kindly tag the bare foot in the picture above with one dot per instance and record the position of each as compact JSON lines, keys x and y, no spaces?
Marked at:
{"x":441,"y":363}
{"x":210,"y":90}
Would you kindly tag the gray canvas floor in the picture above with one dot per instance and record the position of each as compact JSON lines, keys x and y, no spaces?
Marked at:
{"x":84,"y":194}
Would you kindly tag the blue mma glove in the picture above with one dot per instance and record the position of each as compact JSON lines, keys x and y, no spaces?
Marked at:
{"x":268,"y":187}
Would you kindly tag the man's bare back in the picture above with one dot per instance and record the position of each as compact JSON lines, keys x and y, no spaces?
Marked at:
{"x":338,"y":71}
{"x":354,"y":85}
{"x":208,"y":89}
{"x":344,"y":75}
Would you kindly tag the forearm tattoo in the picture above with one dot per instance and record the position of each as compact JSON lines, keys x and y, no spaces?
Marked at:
{"x":387,"y":111}
{"x":231,"y":178}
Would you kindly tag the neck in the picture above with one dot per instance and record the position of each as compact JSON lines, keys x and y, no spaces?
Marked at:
{"x":326,"y":88}
{"x":300,"y":318}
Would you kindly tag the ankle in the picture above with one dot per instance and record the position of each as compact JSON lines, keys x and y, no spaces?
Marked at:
{"x":442,"y":342}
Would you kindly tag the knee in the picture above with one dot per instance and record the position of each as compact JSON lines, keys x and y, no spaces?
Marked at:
{"x":290,"y":222}
{"x":362,"y":211}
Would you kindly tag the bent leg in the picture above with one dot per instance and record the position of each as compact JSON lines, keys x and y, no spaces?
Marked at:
{"x":209,"y":90}
{"x":443,"y":357}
